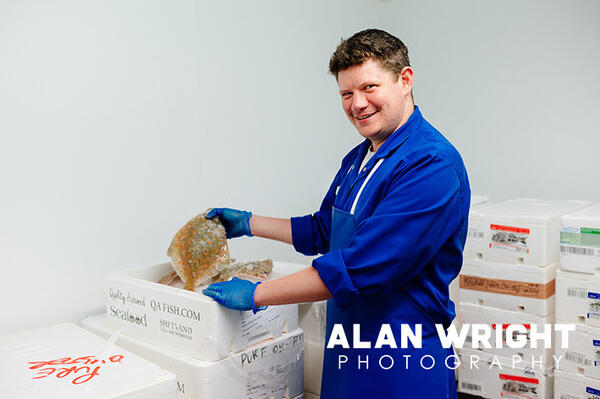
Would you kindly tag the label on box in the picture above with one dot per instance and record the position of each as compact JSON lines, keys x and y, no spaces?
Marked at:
{"x":253,"y":325}
{"x":577,"y":358}
{"x":509,"y":287}
{"x":592,"y":391}
{"x":594,"y":305}
{"x":470,"y":386}
{"x":475,"y":233}
{"x":271,"y":369}
{"x":580,"y":241}
{"x":514,"y":386}
{"x":509,"y":238}
{"x":568,"y":396}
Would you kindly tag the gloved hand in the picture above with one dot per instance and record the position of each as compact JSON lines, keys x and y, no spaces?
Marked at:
{"x":237,"y":223}
{"x":234,"y":294}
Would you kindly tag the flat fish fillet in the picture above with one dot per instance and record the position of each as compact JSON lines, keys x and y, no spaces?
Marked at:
{"x":253,"y":271}
{"x":197,"y":248}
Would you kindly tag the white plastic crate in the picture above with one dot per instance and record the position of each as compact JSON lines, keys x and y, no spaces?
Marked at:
{"x":575,"y":386}
{"x":313,"y":365}
{"x":498,"y":319}
{"x":499,"y":379}
{"x":583,"y":353}
{"x":475,"y":242}
{"x":67,"y":362}
{"x":578,"y":298}
{"x":186,"y":321}
{"x":271,"y":369}
{"x":580,"y":240}
{"x":519,"y":288}
{"x":524,"y":231}
{"x":312,"y":320}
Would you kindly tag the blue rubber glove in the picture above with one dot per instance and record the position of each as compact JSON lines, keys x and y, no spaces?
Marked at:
{"x":237,"y":223}
{"x":234,"y":294}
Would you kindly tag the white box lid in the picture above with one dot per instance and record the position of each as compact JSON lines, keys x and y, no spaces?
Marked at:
{"x":65,"y":361}
{"x":587,"y":214}
{"x":530,"y":210}
{"x":477,"y":200}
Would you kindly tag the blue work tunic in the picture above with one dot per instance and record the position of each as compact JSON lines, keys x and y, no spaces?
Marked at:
{"x":411,"y":226}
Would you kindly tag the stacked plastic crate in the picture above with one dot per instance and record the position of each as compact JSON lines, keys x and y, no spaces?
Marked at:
{"x":213,"y":351}
{"x":312,"y":322}
{"x":578,"y":302}
{"x":509,"y":285}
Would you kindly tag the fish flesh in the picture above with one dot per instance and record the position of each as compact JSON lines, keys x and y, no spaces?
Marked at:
{"x":197,"y":248}
{"x":253,"y":271}
{"x":200,"y":256}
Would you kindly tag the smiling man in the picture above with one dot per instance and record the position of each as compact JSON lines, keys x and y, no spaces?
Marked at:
{"x":390,"y":229}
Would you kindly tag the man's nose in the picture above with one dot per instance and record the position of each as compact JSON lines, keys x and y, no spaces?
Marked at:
{"x":359,"y":102}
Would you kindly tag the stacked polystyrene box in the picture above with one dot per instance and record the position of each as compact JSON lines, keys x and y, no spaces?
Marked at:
{"x":508,"y":278}
{"x":65,"y":361}
{"x":578,"y":303}
{"x":312,"y":321}
{"x":215,"y":352}
{"x":473,"y":237}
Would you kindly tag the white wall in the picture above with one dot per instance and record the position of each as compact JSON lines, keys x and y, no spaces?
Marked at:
{"x":120,"y":120}
{"x":514,"y":85}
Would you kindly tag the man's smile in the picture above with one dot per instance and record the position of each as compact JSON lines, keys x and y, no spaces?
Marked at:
{"x":363,"y":117}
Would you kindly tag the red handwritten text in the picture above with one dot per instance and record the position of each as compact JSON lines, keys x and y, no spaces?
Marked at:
{"x":60,"y":367}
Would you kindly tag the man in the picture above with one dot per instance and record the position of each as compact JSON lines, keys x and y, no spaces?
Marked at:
{"x":391,"y":230}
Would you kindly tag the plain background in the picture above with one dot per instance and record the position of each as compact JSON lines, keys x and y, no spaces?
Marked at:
{"x":120,"y":120}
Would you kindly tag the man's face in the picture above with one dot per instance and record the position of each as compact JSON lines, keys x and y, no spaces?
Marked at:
{"x":374,"y":101}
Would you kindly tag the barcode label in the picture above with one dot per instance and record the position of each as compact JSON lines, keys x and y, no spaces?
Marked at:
{"x":567,"y":396}
{"x":470,"y":386}
{"x":577,"y":292}
{"x":578,"y":358}
{"x":476,"y":234}
{"x":568,"y":249}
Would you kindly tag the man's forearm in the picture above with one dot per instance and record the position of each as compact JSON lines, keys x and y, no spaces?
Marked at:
{"x":303,"y":286}
{"x":273,"y":228}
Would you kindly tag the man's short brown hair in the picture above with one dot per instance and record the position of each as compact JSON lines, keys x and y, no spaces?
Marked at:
{"x":368,"y":44}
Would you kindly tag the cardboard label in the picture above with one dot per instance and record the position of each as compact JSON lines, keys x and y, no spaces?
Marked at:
{"x":509,"y":287}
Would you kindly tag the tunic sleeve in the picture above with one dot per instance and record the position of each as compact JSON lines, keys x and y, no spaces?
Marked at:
{"x":420,"y":210}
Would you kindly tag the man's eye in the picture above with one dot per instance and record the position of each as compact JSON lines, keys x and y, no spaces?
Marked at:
{"x":370,"y":87}
{"x":346,"y":94}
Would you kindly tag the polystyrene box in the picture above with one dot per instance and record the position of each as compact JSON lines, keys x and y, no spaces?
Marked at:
{"x":475,"y":242}
{"x":575,"y":386}
{"x":186,"y":321}
{"x":578,"y":298}
{"x":583,"y":353}
{"x":524,"y":231}
{"x":65,"y":361}
{"x":313,"y":365}
{"x":312,"y":320}
{"x":580,"y":240}
{"x":271,"y":369}
{"x":499,"y":320}
{"x":519,"y":288}
{"x":493,"y":376}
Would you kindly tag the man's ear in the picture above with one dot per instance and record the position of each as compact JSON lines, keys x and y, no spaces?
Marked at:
{"x":406,"y":76}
